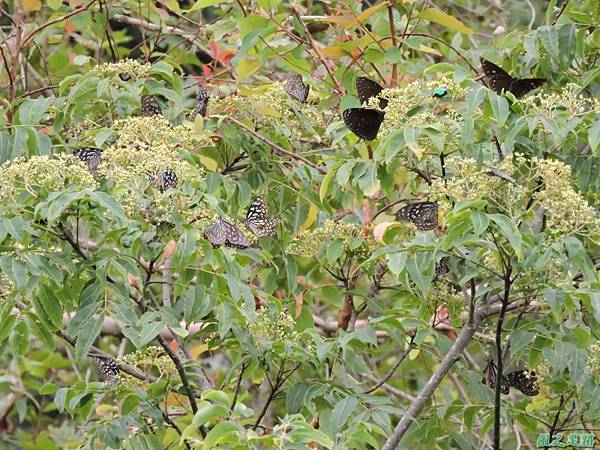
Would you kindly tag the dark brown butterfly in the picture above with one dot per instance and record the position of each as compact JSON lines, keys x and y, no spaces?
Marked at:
{"x":91,"y":157}
{"x":363,"y":122}
{"x":501,"y":81}
{"x":296,"y":88}
{"x":366,"y":88}
{"x":222,"y":232}
{"x":202,"y":98}
{"x":149,"y":106}
{"x":109,"y":369}
{"x":258,"y":220}
{"x":164,"y":180}
{"x":523,"y":380}
{"x":423,"y":214}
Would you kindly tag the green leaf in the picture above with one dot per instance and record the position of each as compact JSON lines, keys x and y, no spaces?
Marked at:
{"x":438,"y":16}
{"x":86,"y":337}
{"x":509,"y":231}
{"x":499,"y":107}
{"x":206,"y":412}
{"x":480,"y":222}
{"x":222,"y":433}
{"x":109,"y":203}
{"x":342,"y":412}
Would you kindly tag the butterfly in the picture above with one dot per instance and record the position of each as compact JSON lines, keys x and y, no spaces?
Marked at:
{"x":365,"y":122}
{"x":366,"y":88}
{"x":257,"y":219}
{"x":423,"y":214}
{"x":296,"y":88}
{"x":164,"y":180}
{"x":222,"y":232}
{"x":494,"y":171}
{"x":201,"y":102}
{"x":439,"y":92}
{"x":441,"y":269}
{"x":109,"y":369}
{"x":91,"y":157}
{"x":149,"y":106}
{"x":501,"y":81}
{"x":523,"y":380}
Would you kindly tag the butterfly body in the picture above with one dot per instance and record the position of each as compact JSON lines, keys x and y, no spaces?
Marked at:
{"x":224,"y":233}
{"x":149,"y":106}
{"x":90,"y":156}
{"x":257,"y":219}
{"x":500,"y":81}
{"x":202,"y":98}
{"x":296,"y":88}
{"x":164,"y":180}
{"x":423,"y":214}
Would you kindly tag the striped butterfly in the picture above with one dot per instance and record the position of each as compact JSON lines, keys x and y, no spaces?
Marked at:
{"x":423,"y":214}
{"x":149,"y":106}
{"x":109,"y":369}
{"x":296,"y":88}
{"x":257,"y":219}
{"x":164,"y":180}
{"x":523,"y":380}
{"x":222,"y":232}
{"x":501,"y":81}
{"x":91,"y":157}
{"x":202,"y":98}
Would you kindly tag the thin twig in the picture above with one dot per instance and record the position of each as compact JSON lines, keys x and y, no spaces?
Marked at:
{"x":562,"y":10}
{"x":391,"y":372}
{"x":238,"y":384}
{"x":505,"y":298}
{"x":315,"y":48}
{"x":277,"y":148}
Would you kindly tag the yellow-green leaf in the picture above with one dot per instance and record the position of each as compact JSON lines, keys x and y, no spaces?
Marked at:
{"x":201,"y":4}
{"x":310,"y":218}
{"x":370,"y":11}
{"x":246,"y":67}
{"x":438,"y":16}
{"x":334,"y":52}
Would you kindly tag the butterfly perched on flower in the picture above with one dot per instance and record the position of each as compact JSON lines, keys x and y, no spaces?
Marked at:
{"x":258,"y":220}
{"x":149,"y":106}
{"x":109,"y":369}
{"x":366,"y":88}
{"x":523,"y":380}
{"x":500,"y":81}
{"x":296,"y":88}
{"x":423,"y":214}
{"x":222,"y":232}
{"x":163,"y":180}
{"x":365,"y":122}
{"x":441,"y":269}
{"x":202,"y":98}
{"x":91,"y":157}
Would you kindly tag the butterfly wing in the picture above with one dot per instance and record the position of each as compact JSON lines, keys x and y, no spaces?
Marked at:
{"x":497,"y":77}
{"x":215,"y":234}
{"x":523,"y":380}
{"x":363,"y":122}
{"x":90,"y":156}
{"x":149,"y":106}
{"x":491,"y":377}
{"x":296,"y":88}
{"x":423,"y":214}
{"x":366,"y":88}
{"x":165,"y":180}
{"x":257,"y":219}
{"x":201,"y":102}
{"x":234,"y":236}
{"x":522,"y":87}
{"x":109,"y":369}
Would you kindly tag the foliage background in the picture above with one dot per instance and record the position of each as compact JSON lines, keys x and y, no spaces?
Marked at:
{"x":330,"y":332}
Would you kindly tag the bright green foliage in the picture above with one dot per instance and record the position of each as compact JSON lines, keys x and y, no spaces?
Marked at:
{"x":279,"y":345}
